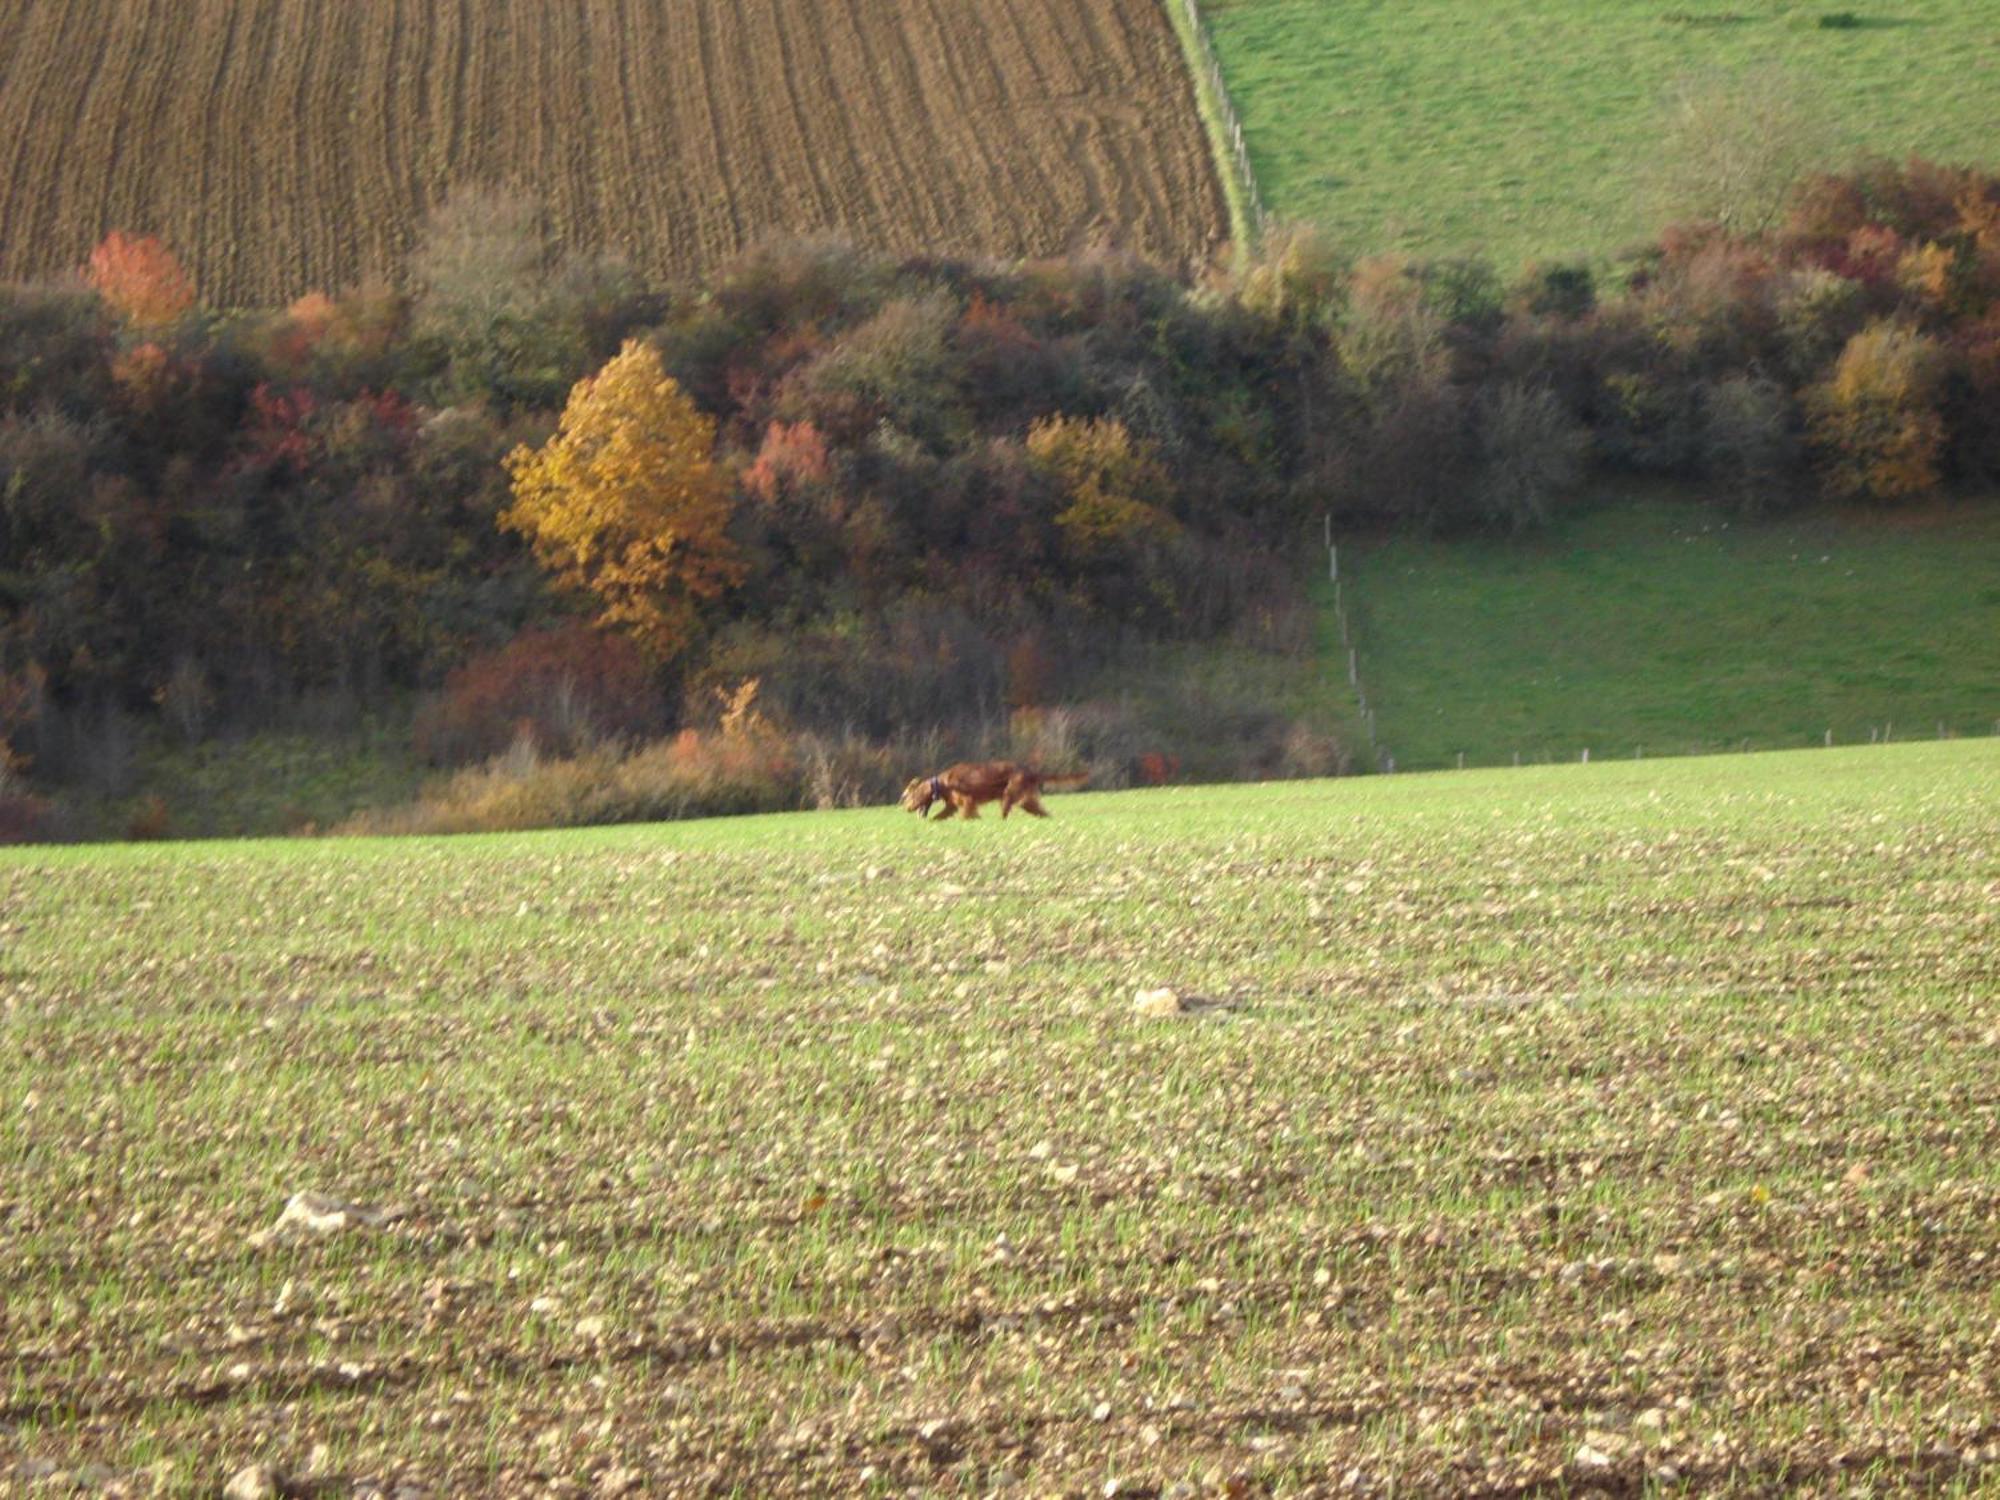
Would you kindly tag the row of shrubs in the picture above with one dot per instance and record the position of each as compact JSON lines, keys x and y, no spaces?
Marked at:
{"x":953,"y":488}
{"x":745,"y":765}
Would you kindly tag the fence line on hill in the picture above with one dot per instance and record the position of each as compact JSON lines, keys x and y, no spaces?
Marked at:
{"x":1232,"y":124}
{"x":1878,"y":734}
{"x":1886,"y":732}
{"x":1384,"y":761}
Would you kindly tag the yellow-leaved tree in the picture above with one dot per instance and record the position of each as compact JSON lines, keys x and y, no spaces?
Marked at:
{"x":1876,"y":420}
{"x":627,"y":503}
{"x":1111,"y":481}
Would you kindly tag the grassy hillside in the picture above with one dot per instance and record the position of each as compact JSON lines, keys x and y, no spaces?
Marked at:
{"x":1653,"y":624}
{"x":1571,"y":1125}
{"x":1519,"y":127}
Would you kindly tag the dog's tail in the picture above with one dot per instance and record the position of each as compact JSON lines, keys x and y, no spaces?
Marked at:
{"x":1067,"y":778}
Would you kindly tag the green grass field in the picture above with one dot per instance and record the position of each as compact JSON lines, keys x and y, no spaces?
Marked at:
{"x":1520,"y":128}
{"x":1608,"y":1125}
{"x":1654,"y":625}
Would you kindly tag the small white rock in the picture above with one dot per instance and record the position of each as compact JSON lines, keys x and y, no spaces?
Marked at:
{"x":256,"y":1482}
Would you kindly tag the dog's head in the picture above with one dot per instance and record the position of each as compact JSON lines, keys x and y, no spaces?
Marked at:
{"x":920,"y":794}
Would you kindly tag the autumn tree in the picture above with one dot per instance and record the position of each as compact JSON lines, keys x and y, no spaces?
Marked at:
{"x":1876,"y":421}
{"x":1732,"y":147}
{"x":139,"y":278}
{"x":1111,"y":480}
{"x":626,"y":502}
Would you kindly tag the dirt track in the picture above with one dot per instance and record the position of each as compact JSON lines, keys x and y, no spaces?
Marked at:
{"x":281,"y":147}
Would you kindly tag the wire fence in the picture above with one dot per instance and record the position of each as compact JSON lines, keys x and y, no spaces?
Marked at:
{"x":1232,"y":124}
{"x":1384,"y":761}
{"x":1887,"y":731}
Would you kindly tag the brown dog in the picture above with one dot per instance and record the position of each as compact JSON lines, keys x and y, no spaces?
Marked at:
{"x":961,"y":788}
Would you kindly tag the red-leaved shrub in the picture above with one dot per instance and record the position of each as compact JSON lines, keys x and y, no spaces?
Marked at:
{"x":568,"y":687}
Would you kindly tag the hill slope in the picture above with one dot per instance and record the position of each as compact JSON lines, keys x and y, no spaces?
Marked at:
{"x":1656,"y":625}
{"x":281,"y":147}
{"x":1520,"y":127}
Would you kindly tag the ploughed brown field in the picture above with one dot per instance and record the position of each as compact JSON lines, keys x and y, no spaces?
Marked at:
{"x":282,"y":147}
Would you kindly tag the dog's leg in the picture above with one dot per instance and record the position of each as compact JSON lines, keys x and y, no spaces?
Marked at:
{"x":1020,"y":791}
{"x":1033,"y":804}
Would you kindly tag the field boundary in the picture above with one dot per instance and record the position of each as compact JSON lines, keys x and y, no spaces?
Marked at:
{"x":1248,"y":217}
{"x":1383,"y":760}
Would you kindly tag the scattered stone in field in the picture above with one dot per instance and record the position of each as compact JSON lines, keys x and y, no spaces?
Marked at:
{"x":618,"y":1480}
{"x":592,"y":1328}
{"x":311,"y":1215}
{"x":544,"y":1305}
{"x":1652,"y":1419}
{"x":1165,"y":1002}
{"x":1101,"y":1412}
{"x":255,"y":1482}
{"x":1592,"y":1460}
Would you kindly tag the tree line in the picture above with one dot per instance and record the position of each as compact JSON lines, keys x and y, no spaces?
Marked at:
{"x":526,"y":488}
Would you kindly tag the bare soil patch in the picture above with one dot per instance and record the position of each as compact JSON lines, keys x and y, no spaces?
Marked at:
{"x":281,"y":148}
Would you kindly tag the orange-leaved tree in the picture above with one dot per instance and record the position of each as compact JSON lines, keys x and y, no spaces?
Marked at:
{"x":1876,"y":420}
{"x":627,"y":503}
{"x":139,"y":278}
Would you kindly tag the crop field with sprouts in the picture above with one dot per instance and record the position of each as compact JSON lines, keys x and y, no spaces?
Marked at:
{"x":1574,"y":1127}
